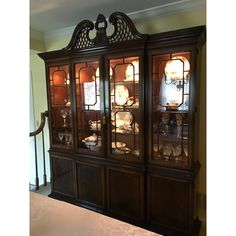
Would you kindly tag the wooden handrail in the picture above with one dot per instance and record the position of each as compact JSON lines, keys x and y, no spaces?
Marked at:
{"x":34,"y":134}
{"x":42,"y":124}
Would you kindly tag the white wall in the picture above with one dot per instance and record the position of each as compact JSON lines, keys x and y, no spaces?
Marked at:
{"x":38,"y":104}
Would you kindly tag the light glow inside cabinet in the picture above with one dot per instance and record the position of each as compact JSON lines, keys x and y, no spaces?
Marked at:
{"x":171,"y":79}
{"x":122,"y":119}
{"x":125,"y":112}
{"x":60,"y":101}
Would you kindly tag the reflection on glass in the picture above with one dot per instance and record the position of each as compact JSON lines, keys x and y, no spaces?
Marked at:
{"x":92,"y":98}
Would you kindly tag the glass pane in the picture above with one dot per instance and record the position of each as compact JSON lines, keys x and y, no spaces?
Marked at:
{"x":124,"y":107}
{"x":60,"y":98}
{"x":170,"y":106}
{"x":88,"y":106}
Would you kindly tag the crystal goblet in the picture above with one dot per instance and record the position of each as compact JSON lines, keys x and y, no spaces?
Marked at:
{"x":179,"y":121}
{"x":64,"y":114}
{"x":165,"y":119}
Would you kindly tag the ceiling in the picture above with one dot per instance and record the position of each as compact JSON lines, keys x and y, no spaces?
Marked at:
{"x":52,"y":15}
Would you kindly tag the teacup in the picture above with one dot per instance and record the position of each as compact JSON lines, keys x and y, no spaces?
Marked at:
{"x":95,"y":124}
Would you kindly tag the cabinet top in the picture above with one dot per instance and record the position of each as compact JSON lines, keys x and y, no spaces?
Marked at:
{"x":124,"y":34}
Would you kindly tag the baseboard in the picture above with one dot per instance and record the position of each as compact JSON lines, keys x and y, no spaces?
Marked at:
{"x":32,"y":187}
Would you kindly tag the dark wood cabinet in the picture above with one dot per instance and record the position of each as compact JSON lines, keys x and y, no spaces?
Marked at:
{"x":170,"y":202}
{"x":122,"y":118}
{"x":63,"y":175}
{"x":91,"y":184}
{"x":125,"y":195}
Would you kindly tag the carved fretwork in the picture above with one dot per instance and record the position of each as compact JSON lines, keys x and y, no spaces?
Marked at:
{"x":124,"y":30}
{"x":80,"y":38}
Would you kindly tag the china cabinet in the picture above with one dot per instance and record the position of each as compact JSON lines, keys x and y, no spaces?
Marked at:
{"x":122,"y":119}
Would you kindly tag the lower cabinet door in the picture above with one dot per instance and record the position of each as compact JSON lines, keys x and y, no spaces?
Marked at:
{"x":63,"y":176}
{"x":91,"y":184}
{"x":169,"y":203}
{"x":125,"y":194}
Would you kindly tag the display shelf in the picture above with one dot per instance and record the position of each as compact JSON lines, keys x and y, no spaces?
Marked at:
{"x":118,"y":89}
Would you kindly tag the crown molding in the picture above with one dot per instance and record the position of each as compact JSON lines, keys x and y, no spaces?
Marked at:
{"x":145,"y":14}
{"x":34,"y":34}
{"x":166,"y":9}
{"x":59,"y":33}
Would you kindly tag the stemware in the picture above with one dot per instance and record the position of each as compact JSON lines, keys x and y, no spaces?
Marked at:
{"x":177,"y":152}
{"x":70,"y":118}
{"x":165,"y":119}
{"x":64,"y":114}
{"x":179,"y":121}
{"x":68,"y":138}
{"x":60,"y":136}
{"x":167,"y":151}
{"x":186,"y":150}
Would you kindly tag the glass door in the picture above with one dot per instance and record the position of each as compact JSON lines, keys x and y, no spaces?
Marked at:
{"x":89,"y":103}
{"x":60,"y":102}
{"x":171,"y":120}
{"x":124,"y":108}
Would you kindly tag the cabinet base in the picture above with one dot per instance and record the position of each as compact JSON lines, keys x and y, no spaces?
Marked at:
{"x":169,"y":232}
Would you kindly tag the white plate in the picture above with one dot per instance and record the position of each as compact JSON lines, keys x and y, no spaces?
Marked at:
{"x":136,"y":152}
{"x":119,"y":95}
{"x":121,"y":118}
{"x":122,"y":151}
{"x":115,"y":145}
{"x":132,"y":72}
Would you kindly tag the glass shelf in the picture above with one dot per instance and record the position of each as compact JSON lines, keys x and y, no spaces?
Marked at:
{"x":170,"y":109}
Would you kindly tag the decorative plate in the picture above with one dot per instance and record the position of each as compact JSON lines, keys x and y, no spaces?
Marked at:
{"x":122,"y":118}
{"x":115,"y":145}
{"x":132,"y":72}
{"x":119,"y":95}
{"x":122,"y":150}
{"x":136,"y":152}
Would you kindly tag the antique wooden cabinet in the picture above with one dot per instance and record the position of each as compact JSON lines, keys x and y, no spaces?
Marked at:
{"x":122,"y":119}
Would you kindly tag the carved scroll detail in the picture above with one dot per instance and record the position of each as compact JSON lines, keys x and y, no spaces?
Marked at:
{"x":124,"y":30}
{"x":80,"y":38}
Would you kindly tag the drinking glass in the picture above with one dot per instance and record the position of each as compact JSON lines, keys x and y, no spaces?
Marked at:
{"x":186,"y":150}
{"x":167,"y":151}
{"x":64,"y":114}
{"x":68,"y":138}
{"x":70,"y":118}
{"x":177,"y":150}
{"x":165,"y":119}
{"x":61,"y":136}
{"x":179,"y":121}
